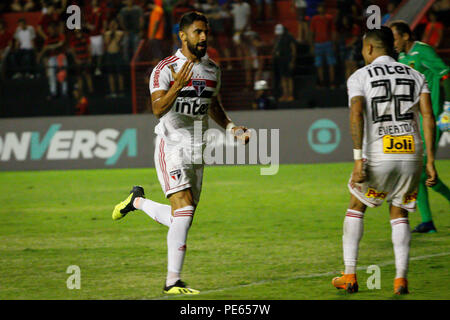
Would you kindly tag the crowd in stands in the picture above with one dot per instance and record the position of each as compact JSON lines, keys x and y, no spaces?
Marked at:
{"x":112,"y":30}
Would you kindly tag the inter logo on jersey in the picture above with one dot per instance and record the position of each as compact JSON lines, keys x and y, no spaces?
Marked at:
{"x":175,"y":174}
{"x":199,"y":86}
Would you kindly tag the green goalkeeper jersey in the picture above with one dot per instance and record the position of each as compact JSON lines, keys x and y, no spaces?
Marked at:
{"x":424,"y":59}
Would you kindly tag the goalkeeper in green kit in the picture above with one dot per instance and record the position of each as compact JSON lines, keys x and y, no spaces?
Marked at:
{"x":424,"y":59}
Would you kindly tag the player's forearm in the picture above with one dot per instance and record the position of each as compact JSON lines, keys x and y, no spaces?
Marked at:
{"x":162,"y":104}
{"x":429,"y":132}
{"x":428,"y":125}
{"x":217,"y":113}
{"x":357,"y":122}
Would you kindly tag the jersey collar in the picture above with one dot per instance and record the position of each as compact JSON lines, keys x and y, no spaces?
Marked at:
{"x":382,"y":59}
{"x":412,"y":47}
{"x":183,"y":57}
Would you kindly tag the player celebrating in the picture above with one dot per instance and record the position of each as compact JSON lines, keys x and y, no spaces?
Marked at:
{"x":386,"y":98}
{"x":424,"y":59}
{"x":184,"y":90}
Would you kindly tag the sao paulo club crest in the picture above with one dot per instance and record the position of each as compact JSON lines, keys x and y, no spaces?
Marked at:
{"x":199,"y":86}
{"x":175,"y":174}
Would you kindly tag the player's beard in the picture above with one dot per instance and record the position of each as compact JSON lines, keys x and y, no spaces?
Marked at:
{"x":196,"y":50}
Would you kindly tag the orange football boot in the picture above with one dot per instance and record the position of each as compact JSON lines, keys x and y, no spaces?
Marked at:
{"x":401,"y":286}
{"x":347,"y":282}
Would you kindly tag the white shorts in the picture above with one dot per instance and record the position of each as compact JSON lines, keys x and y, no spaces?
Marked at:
{"x":396,"y":182}
{"x":175,"y":173}
{"x":96,"y":45}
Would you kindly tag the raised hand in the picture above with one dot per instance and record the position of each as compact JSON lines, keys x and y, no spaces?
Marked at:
{"x":182,"y":78}
{"x":241,"y":133}
{"x":358,"y":174}
{"x":431,"y":174}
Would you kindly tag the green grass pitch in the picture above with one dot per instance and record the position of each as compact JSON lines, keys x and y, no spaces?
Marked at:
{"x":253,"y":237}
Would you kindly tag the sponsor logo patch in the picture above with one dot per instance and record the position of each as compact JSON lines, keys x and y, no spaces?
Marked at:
{"x":372,"y":193}
{"x":398,"y":144}
{"x":411,"y":197}
{"x":156,"y":79}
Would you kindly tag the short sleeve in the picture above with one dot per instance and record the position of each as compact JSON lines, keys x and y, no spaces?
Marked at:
{"x":354,"y":87}
{"x":433,"y":62}
{"x":424,"y":87}
{"x":160,"y":79}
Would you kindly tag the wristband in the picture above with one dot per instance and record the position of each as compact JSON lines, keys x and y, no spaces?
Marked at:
{"x":230,"y":126}
{"x":357,"y":154}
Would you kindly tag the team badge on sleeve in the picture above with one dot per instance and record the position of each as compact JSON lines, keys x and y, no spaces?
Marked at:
{"x":175,"y":174}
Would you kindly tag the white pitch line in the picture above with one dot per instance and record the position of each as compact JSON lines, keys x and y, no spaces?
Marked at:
{"x":304,"y":276}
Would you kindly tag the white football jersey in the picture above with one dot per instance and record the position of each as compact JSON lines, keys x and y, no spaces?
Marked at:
{"x":391,"y":117}
{"x":193,"y":101}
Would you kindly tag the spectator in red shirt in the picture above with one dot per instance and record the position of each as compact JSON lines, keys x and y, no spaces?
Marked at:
{"x":51,"y":16}
{"x":433,"y":31}
{"x":80,"y":49}
{"x":5,"y":48}
{"x":96,"y":23}
{"x":322,"y":38}
{"x":56,"y":62}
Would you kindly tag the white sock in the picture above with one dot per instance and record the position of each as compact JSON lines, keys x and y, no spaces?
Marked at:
{"x":353,"y":231}
{"x":401,"y":238}
{"x":176,"y":242}
{"x":161,"y":213}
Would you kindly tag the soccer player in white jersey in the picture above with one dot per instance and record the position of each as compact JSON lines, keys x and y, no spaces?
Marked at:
{"x":184,"y":90}
{"x":385,"y":99}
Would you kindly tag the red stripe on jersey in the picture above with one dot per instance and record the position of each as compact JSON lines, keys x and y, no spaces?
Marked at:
{"x":167,"y":62}
{"x":209,"y":83}
{"x":162,"y":164}
{"x":162,"y":61}
{"x":159,"y":67}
